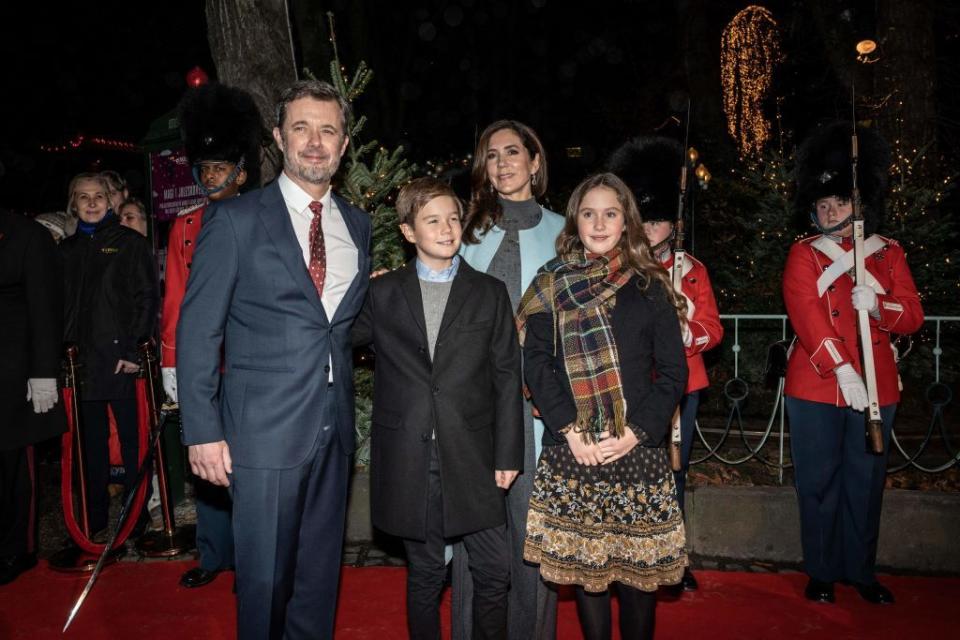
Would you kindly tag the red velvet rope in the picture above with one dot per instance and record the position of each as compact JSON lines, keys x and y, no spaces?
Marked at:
{"x":66,"y":472}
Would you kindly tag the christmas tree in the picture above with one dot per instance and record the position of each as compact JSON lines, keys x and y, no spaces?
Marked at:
{"x":370,"y":180}
{"x":749,"y":214}
{"x":928,"y":234}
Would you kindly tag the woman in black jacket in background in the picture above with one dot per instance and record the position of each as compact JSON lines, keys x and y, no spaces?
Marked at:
{"x":110,"y":304}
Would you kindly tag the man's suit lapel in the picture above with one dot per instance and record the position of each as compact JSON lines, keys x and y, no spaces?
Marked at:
{"x":349,"y":214}
{"x":276,"y":219}
{"x":459,"y":291}
{"x":411,"y":292}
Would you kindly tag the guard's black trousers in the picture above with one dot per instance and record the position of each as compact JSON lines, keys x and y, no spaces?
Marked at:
{"x":840,"y":489}
{"x":688,"y":422}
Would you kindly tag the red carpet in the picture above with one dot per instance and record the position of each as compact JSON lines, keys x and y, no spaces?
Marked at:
{"x":142,"y":600}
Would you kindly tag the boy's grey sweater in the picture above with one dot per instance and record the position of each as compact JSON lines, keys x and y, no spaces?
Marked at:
{"x":434,"y":296}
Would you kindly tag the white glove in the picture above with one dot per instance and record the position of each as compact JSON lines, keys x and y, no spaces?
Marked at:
{"x":169,"y":376}
{"x":43,"y":393}
{"x":865,"y":299}
{"x":687,"y":335}
{"x":851,"y":386}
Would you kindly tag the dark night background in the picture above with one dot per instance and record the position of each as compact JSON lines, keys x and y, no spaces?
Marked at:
{"x":583,"y":74}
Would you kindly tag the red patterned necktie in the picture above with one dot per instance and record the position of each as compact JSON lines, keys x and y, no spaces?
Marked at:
{"x":318,"y":250}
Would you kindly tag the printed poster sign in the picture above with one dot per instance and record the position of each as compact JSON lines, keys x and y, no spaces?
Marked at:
{"x":172,"y":186}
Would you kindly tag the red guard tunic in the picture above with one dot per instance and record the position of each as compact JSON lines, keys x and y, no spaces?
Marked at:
{"x":703,"y":318}
{"x":826,"y":325}
{"x":183,"y":240}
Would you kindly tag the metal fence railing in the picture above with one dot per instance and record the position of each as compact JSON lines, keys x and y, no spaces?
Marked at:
{"x":926,"y":446}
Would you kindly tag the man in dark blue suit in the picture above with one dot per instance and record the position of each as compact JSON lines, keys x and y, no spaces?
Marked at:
{"x":278,"y":277}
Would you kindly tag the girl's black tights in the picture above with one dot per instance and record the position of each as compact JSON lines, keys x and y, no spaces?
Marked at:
{"x":637,"y":611}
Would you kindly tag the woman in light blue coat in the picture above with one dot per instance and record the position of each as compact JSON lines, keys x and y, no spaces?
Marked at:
{"x":509,"y":235}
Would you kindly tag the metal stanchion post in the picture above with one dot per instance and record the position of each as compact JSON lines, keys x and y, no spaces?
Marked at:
{"x":171,"y":540}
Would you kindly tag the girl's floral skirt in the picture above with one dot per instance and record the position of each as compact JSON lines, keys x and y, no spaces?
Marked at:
{"x":593,"y":525}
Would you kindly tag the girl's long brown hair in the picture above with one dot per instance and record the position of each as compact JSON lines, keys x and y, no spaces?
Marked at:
{"x":633,"y":243}
{"x":484,"y":209}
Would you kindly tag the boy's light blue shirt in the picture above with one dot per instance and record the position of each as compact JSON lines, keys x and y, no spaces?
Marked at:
{"x":427,"y":274}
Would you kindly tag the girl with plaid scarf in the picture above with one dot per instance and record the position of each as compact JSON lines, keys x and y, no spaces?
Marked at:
{"x":605,"y":364}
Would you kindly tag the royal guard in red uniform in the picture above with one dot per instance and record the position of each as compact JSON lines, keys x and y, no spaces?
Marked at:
{"x":221,"y":131}
{"x":839,"y":482}
{"x":650,"y":166}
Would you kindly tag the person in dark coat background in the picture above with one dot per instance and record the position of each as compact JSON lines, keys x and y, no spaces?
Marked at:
{"x":110,"y":305}
{"x":31,"y":297}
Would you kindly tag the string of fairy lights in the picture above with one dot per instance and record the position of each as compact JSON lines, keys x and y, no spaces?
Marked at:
{"x":750,"y":49}
{"x":437,"y":168}
{"x":96,"y":142}
{"x":910,"y":204}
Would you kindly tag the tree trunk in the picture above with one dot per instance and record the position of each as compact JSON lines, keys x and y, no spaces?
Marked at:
{"x":251,"y":48}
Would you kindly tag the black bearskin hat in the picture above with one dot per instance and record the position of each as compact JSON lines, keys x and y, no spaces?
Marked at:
{"x":218,"y":122}
{"x":824,"y":169}
{"x":650,"y":166}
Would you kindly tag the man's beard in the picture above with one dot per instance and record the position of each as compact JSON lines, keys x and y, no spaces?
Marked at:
{"x":314,"y":175}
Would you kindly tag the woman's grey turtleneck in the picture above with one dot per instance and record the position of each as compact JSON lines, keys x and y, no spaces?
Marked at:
{"x":505,"y":265}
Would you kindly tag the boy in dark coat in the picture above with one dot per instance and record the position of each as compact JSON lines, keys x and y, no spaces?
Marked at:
{"x":447,"y":437}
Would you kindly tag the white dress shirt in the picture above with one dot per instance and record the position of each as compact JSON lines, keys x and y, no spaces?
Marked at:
{"x":342,"y":253}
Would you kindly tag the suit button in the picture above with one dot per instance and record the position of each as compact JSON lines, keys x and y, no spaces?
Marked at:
{"x":188,"y":242}
{"x":421,"y":350}
{"x":189,"y":264}
{"x":831,"y":288}
{"x":835,"y":313}
{"x":424,"y":437}
{"x":436,"y":391}
{"x":692,"y":280}
{"x":189,"y":220}
{"x":326,"y":368}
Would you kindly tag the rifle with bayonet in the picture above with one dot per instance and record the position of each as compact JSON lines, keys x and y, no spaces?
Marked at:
{"x":874,"y":423}
{"x":676,"y":276}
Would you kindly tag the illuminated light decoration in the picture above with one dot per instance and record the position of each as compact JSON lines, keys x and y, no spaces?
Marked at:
{"x":95,"y":142}
{"x":437,"y":168}
{"x":864,"y":49}
{"x":197,"y":77}
{"x":703,"y":175}
{"x":750,"y":48}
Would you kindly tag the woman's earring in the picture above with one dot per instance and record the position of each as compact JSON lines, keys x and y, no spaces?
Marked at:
{"x":533,"y":178}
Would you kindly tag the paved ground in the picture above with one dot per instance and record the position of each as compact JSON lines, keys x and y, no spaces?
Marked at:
{"x":764,"y":528}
